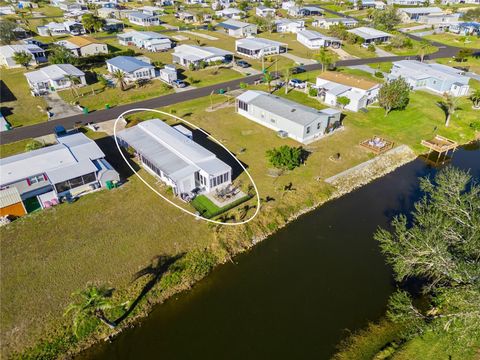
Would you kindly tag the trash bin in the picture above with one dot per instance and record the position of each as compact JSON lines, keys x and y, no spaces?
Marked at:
{"x":109,"y":184}
{"x":107,"y":106}
{"x":85,"y":110}
{"x":221,"y":91}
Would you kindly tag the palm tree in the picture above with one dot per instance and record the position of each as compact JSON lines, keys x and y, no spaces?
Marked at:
{"x":324,"y":58}
{"x":91,"y":303}
{"x":119,"y":77}
{"x":287,"y":79}
{"x":423,"y":49}
{"x":74,"y":81}
{"x":268,"y":78}
{"x":475,"y":97}
{"x":22,"y":58}
{"x":449,"y":105}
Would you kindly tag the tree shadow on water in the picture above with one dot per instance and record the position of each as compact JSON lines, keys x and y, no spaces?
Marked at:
{"x":155,"y":271}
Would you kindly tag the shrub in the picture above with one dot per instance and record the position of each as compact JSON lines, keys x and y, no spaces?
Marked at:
{"x":33,"y":145}
{"x":313,"y":92}
{"x":286,"y":157}
{"x":371,"y":48}
{"x":379,"y":74}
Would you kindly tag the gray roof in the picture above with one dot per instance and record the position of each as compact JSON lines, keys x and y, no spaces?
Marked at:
{"x":71,"y":157}
{"x":233,"y":24}
{"x":314,"y":35}
{"x":419,"y":70}
{"x":257,"y":43}
{"x":128,"y":63}
{"x":368,"y":33}
{"x":290,"y":110}
{"x":421,"y":10}
{"x":53,"y":72}
{"x":140,"y":15}
{"x":173,"y":153}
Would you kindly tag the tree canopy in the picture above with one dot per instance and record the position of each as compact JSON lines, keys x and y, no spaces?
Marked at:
{"x":439,"y":246}
{"x":385,"y":19}
{"x":7,"y":35}
{"x":61,"y":55}
{"x":286,"y":157}
{"x":394,"y":94}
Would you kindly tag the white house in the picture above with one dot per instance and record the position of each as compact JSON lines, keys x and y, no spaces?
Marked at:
{"x":326,"y":23}
{"x":168,"y":74}
{"x":257,"y":47}
{"x":151,"y":10}
{"x":413,"y":14}
{"x":61,"y":29}
{"x":84,"y":46}
{"x":333,"y":85}
{"x":286,"y":117}
{"x":142,"y":19}
{"x":148,"y":40}
{"x":72,"y":167}
{"x":238,"y":29}
{"x":53,"y":77}
{"x":192,"y":54}
{"x":133,"y":68}
{"x":230,"y":13}
{"x":315,"y":40}
{"x":434,"y":77}
{"x":176,"y":159}
{"x":407,"y":2}
{"x":371,"y":35}
{"x":289,"y":26}
{"x":288,"y":4}
{"x":264,"y":11}
{"x":7,"y":53}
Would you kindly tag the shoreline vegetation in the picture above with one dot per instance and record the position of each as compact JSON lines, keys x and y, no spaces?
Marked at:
{"x":181,"y":258}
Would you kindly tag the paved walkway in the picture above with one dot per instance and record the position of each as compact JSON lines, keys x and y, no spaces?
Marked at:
{"x":343,"y":55}
{"x":246,"y":71}
{"x":299,"y":60}
{"x":60,"y":108}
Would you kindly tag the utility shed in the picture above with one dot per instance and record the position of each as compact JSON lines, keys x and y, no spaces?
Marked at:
{"x":11,"y":203}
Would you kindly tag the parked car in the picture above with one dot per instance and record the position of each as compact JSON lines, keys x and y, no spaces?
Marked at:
{"x":243,"y":64}
{"x":179,"y":83}
{"x":297,"y":70}
{"x":365,"y":45}
{"x":297,"y":83}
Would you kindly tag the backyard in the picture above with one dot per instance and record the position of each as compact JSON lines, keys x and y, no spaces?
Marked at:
{"x":472,"y":42}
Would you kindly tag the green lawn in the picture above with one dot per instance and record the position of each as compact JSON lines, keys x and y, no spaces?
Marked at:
{"x":357,"y":50}
{"x":25,"y":109}
{"x":472,"y":63}
{"x":13,"y":148}
{"x":48,"y":255}
{"x":472,"y":42}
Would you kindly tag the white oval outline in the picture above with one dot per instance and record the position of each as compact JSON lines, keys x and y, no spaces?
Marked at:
{"x":163,"y":197}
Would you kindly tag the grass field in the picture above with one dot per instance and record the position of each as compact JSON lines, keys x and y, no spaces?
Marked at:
{"x":22,"y":109}
{"x":472,"y":42}
{"x":48,"y":255}
{"x":472,"y":63}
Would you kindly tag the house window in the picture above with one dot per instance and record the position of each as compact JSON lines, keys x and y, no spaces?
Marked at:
{"x":272,"y":120}
{"x":75,"y":182}
{"x":242,"y":105}
{"x":319,"y":125}
{"x":35,"y":179}
{"x":308,"y":129}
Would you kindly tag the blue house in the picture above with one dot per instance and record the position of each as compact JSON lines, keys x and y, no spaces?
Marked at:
{"x":434,"y":77}
{"x":133,"y":68}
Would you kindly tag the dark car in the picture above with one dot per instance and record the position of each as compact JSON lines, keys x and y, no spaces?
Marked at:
{"x":243,"y":64}
{"x":297,"y":70}
{"x":179,"y":83}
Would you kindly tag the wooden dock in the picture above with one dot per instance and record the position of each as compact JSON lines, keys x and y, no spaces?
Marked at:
{"x":441,"y":145}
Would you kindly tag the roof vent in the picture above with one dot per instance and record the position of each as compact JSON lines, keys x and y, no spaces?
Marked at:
{"x":293,"y":110}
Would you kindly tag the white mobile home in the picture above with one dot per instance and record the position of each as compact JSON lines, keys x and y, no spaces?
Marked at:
{"x":61,"y":29}
{"x":176,"y":159}
{"x":7,"y":53}
{"x":334,"y":85}
{"x":264,"y":11}
{"x":133,"y":68}
{"x":168,"y":74}
{"x":72,"y":167}
{"x":54,"y":77}
{"x":238,"y":28}
{"x":434,"y":77}
{"x":84,"y":46}
{"x":315,"y":40}
{"x":192,"y":54}
{"x":326,"y":23}
{"x":289,"y":26}
{"x":288,"y":118}
{"x":148,"y":40}
{"x":142,"y":19}
{"x":257,"y":47}
{"x":371,"y":35}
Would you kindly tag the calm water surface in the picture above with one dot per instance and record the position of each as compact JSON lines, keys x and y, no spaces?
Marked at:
{"x":296,"y":294}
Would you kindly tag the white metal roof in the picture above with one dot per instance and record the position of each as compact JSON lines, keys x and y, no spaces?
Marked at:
{"x":195,"y":53}
{"x":420,"y":70}
{"x":257,"y":43}
{"x":173,"y":153}
{"x":53,"y":72}
{"x":60,"y":161}
{"x":368,"y":33}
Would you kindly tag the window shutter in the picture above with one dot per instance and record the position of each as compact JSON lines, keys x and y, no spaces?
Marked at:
{"x":45,"y":177}
{"x":28,"y":182}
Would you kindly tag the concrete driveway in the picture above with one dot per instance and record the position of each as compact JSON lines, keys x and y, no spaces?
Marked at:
{"x":60,"y":108}
{"x":299,"y":60}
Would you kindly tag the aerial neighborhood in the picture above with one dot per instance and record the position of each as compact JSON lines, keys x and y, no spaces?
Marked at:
{"x":174,"y":130}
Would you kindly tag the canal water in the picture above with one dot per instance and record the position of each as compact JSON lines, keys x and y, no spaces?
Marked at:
{"x":297,"y":294}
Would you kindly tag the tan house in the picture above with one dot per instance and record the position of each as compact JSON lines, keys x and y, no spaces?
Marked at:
{"x":84,"y":46}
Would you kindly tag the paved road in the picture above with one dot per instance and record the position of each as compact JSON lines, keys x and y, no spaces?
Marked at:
{"x":45,"y":128}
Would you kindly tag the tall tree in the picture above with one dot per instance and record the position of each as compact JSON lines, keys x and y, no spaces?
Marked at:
{"x":287,"y":75}
{"x":61,"y":55}
{"x":394,"y":94}
{"x":440,"y":246}
{"x":74,"y":81}
{"x":268,"y":78}
{"x":7,"y":35}
{"x":91,"y":302}
{"x":119,"y":77}
{"x":92,"y":23}
{"x":448,"y":105}
{"x":22,"y":58}
{"x":385,"y":19}
{"x":324,"y":58}
{"x":423,"y":49}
